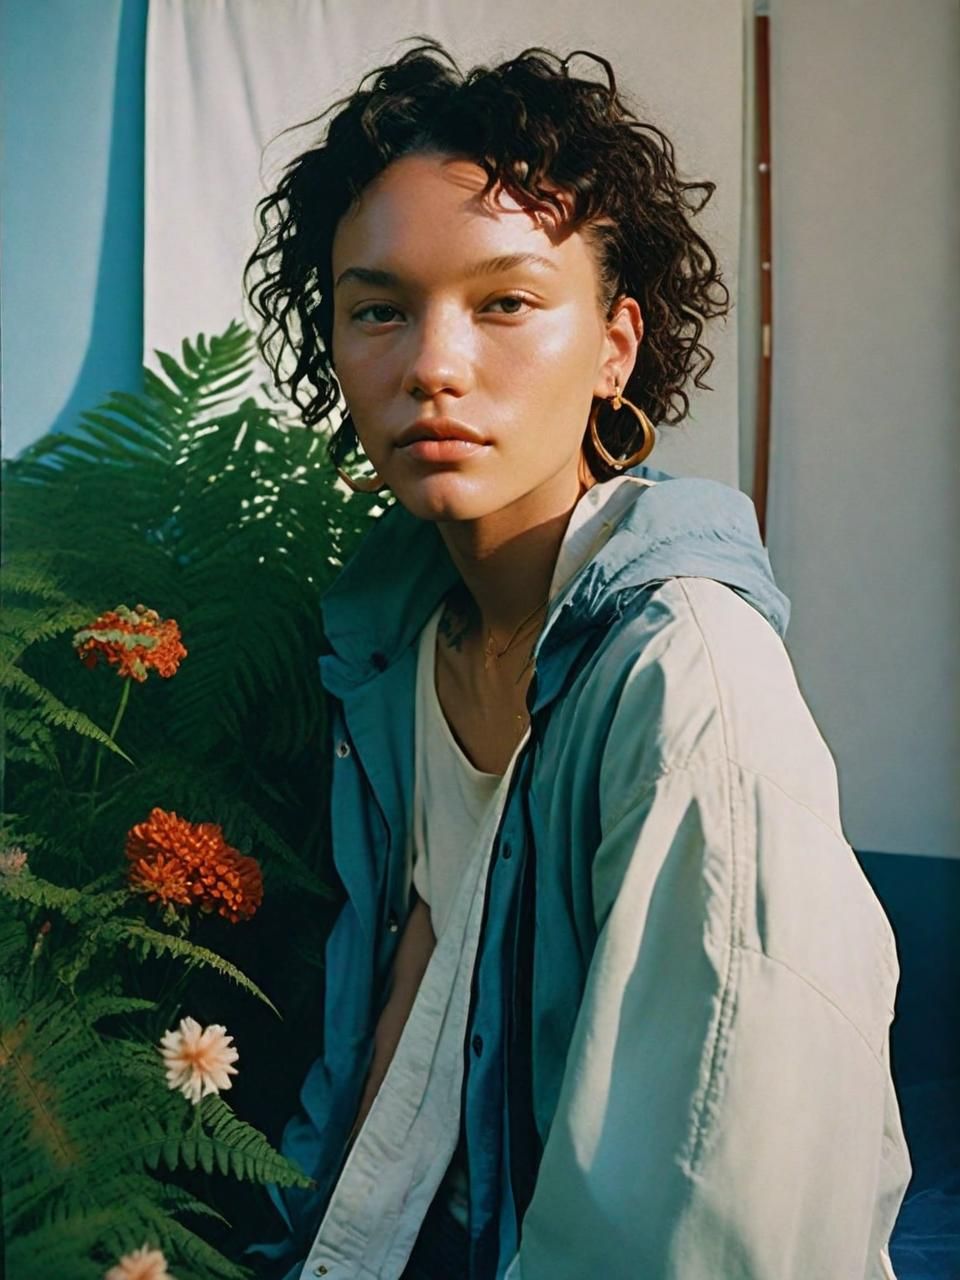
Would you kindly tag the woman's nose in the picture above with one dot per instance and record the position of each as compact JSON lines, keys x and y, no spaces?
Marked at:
{"x":439,"y":357}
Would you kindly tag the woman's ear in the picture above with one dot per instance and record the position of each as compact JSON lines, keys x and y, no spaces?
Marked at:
{"x":623,"y":337}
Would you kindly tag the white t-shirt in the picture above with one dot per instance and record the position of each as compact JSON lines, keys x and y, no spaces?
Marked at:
{"x":455,"y":795}
{"x":447,"y":786}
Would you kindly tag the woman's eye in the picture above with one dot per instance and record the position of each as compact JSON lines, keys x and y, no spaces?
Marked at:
{"x":511,"y":297}
{"x":375,"y":306}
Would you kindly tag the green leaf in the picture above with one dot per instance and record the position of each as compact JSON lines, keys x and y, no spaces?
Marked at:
{"x":151,"y":941}
{"x":52,"y":710}
{"x":183,"y":382}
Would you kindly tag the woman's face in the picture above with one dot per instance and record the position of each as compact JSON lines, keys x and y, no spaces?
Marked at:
{"x":428,"y":327}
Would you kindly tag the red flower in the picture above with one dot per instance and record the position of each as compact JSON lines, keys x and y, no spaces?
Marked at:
{"x":176,"y":861}
{"x":133,"y":640}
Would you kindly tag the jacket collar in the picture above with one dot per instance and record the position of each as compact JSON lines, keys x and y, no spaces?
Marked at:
{"x":678,"y":526}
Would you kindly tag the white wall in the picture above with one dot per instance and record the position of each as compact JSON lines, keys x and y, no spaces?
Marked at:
{"x":864,"y":507}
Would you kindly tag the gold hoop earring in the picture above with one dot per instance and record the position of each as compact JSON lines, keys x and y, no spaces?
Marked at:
{"x":372,"y":484}
{"x":649,"y":433}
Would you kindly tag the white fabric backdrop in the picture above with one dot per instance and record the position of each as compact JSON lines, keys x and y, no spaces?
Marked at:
{"x":224,"y":77}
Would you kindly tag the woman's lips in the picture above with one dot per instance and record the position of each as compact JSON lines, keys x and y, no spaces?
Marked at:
{"x":449,"y":450}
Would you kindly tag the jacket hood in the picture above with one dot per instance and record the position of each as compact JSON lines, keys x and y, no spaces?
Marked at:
{"x":678,"y":526}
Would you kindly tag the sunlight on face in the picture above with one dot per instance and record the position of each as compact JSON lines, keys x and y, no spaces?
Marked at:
{"x":427,"y":326}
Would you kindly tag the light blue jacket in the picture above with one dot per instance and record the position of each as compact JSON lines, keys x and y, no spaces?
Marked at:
{"x":677,"y":1054}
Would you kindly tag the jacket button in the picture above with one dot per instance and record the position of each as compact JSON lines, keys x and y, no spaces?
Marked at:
{"x":320,"y":1271}
{"x":506,"y":851}
{"x":393,"y":924}
{"x":379,"y":660}
{"x":343,"y":748}
{"x":478,"y":1045}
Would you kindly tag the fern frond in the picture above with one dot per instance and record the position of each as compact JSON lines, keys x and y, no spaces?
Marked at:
{"x":13,"y":943}
{"x":189,"y":1256}
{"x":53,"y":711}
{"x":67,"y":1247}
{"x":28,"y":572}
{"x":206,"y":372}
{"x":82,"y":1123}
{"x":248,"y":823}
{"x":57,"y":1080}
{"x":29,"y":625}
{"x":74,"y":904}
{"x":228,"y":1144}
{"x":142,"y":1208}
{"x":28,"y":739}
{"x":149,"y":428}
{"x":146,"y":942}
{"x":82,"y":1234}
{"x":104,"y":929}
{"x":106,"y":1006}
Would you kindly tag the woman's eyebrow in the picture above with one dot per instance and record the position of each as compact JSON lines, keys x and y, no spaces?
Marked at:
{"x":504,"y":262}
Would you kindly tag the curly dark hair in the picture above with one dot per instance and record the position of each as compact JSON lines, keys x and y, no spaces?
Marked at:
{"x":525,"y":121}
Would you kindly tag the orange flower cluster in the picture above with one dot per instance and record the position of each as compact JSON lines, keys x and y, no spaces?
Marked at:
{"x":133,"y":640}
{"x":189,"y":863}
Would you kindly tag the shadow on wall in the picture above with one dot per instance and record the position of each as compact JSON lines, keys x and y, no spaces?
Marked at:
{"x":114,"y":354}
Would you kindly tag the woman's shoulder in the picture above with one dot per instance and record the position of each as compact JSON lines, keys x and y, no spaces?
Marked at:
{"x":710,"y":693}
{"x":704,"y":677}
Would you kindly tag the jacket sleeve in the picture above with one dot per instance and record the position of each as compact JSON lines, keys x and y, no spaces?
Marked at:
{"x":727,"y":1108}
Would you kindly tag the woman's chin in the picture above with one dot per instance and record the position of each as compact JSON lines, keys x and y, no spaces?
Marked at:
{"x":447,"y":495}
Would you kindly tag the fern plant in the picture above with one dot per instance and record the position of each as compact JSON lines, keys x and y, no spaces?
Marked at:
{"x":224,"y":516}
{"x":85,"y":1115}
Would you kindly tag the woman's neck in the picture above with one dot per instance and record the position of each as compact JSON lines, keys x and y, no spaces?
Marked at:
{"x":506,"y":560}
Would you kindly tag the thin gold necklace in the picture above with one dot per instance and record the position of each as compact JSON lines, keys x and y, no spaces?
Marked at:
{"x":491,"y":654}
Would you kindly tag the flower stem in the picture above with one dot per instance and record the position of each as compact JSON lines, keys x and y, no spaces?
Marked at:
{"x":99,"y":756}
{"x":170,"y":999}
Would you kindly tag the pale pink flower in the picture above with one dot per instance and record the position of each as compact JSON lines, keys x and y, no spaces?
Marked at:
{"x":198,"y":1059}
{"x":143,"y":1264}
{"x":12,"y":860}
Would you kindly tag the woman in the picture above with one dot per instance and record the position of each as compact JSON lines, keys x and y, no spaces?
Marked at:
{"x":609,"y":995}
